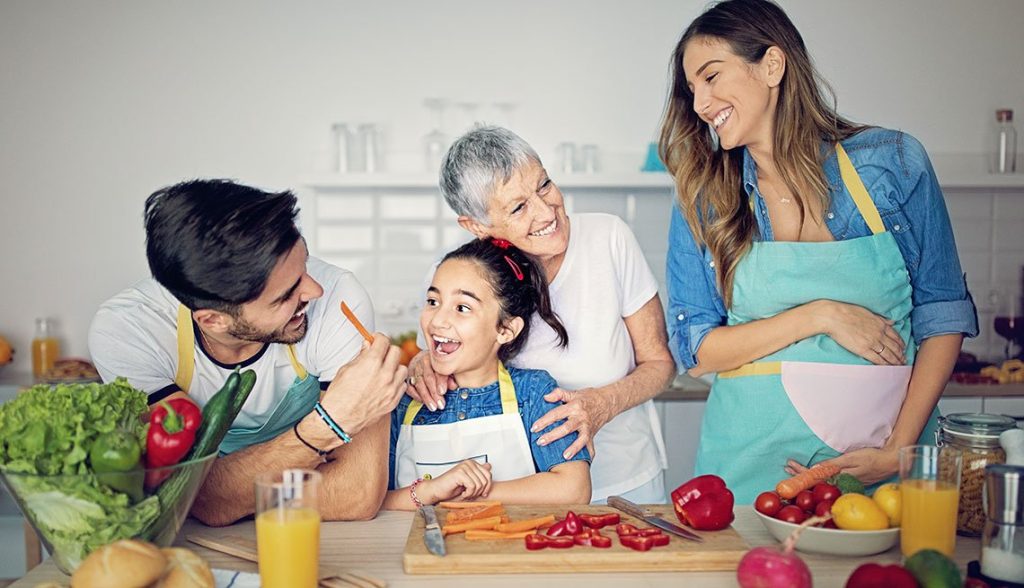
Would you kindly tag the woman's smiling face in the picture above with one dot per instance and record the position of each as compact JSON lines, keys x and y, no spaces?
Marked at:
{"x":735,"y":97}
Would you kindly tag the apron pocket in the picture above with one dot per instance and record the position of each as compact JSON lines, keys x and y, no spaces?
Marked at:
{"x":847,"y":406}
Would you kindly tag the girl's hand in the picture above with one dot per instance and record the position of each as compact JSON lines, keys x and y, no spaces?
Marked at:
{"x":425,"y":385}
{"x":584,"y":413}
{"x":468,"y":480}
{"x":868,"y":465}
{"x":862,"y":332}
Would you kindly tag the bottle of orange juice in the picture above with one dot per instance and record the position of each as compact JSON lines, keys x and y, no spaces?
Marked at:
{"x":45,"y":347}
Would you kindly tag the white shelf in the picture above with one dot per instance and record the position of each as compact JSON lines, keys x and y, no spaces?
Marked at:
{"x":634,"y":180}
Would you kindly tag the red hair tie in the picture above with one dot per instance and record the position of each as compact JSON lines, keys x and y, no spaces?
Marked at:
{"x":500,"y":243}
{"x":503,"y":244}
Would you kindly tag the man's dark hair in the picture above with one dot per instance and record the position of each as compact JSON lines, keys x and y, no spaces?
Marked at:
{"x":213,"y":243}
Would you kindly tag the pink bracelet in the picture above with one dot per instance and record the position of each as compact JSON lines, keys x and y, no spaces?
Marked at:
{"x":412,"y":493}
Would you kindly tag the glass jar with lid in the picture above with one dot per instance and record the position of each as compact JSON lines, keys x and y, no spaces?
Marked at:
{"x":976,"y":436}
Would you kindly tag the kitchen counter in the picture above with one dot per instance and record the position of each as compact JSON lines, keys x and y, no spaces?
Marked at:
{"x":376,"y":547}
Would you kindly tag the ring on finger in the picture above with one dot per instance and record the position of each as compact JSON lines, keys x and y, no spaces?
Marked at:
{"x":880,"y":349}
{"x":411,"y":380}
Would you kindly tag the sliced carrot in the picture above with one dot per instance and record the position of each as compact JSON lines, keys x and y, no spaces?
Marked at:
{"x":471,"y":514}
{"x":806,"y":479}
{"x":470,"y":504}
{"x":483,"y":535}
{"x":525,"y":525}
{"x":489,"y":523}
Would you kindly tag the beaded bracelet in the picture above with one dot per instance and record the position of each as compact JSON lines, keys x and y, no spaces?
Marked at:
{"x":345,"y":437}
{"x":412,"y":493}
{"x":320,"y":452}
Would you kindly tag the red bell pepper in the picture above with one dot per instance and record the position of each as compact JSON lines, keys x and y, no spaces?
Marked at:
{"x":573,"y":524}
{"x":172,"y":430}
{"x":560,"y":542}
{"x":704,"y":503}
{"x":535,"y":542}
{"x":599,"y":521}
{"x":626,"y":529}
{"x":636,"y":542}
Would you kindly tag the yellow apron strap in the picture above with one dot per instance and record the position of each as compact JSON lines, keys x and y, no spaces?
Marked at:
{"x":186,"y":349}
{"x":509,"y":403}
{"x":764,"y":368}
{"x":865,"y":205}
{"x":300,"y":371}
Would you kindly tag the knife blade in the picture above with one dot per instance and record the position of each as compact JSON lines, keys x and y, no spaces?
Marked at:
{"x":432,"y":533}
{"x":651,"y":519}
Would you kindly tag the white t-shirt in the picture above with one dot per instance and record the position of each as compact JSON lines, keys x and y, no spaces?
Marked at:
{"x":134,"y":334}
{"x":603,"y":278}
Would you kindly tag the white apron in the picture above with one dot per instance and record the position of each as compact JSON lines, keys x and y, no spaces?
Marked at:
{"x":427,"y":451}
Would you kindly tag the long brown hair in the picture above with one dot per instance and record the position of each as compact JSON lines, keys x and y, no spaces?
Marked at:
{"x":709,"y":181}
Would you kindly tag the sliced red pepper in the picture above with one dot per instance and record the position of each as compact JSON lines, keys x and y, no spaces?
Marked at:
{"x":649,"y":531}
{"x":659,"y":540}
{"x":535,"y":542}
{"x":599,"y":521}
{"x":557,"y":529}
{"x":172,"y":430}
{"x":626,"y":529}
{"x":573,"y":524}
{"x":583,"y":537}
{"x":599,"y":540}
{"x":637,"y":542}
{"x":561,"y":542}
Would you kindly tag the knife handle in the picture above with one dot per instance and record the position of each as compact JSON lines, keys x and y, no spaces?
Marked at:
{"x":626,"y":506}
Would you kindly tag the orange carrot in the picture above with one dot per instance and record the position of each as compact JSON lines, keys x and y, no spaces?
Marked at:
{"x":351,"y":316}
{"x":470,"y":504}
{"x":525,"y":525}
{"x":488,"y":523}
{"x":484,"y":535}
{"x":461,"y":516}
{"x":788,"y":489}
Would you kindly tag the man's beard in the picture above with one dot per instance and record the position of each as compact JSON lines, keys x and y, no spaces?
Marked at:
{"x":244,"y":330}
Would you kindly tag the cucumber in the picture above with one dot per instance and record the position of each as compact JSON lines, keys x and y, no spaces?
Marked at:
{"x":218,"y":414}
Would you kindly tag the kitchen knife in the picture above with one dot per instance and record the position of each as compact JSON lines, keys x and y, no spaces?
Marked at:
{"x":651,"y":519}
{"x":432,"y":533}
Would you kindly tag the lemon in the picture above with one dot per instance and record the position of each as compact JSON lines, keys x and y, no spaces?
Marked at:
{"x":856,"y":512}
{"x":889,"y":498}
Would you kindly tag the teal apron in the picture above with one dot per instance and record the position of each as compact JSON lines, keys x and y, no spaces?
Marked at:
{"x":297,"y":402}
{"x":813,"y":400}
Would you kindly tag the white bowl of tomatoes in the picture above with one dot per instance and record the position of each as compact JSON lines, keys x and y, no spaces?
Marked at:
{"x":782,"y":517}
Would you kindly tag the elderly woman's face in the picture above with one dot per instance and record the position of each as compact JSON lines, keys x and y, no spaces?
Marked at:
{"x":528,"y":211}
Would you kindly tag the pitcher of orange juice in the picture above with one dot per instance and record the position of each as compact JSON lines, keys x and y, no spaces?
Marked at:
{"x":930,"y":487}
{"x":288,"y":529}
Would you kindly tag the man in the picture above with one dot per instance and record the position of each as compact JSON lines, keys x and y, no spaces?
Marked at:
{"x":233,"y":286}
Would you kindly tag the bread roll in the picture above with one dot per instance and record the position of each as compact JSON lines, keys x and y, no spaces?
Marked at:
{"x":185,"y":569}
{"x":123,"y":564}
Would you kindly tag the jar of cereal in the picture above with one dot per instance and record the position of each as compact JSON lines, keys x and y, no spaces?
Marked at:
{"x":976,"y":435}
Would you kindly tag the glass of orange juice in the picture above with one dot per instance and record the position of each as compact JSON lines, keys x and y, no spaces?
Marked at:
{"x":930,"y":487}
{"x":288,"y":528}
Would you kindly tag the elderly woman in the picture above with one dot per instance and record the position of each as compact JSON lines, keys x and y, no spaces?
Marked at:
{"x":601,"y":288}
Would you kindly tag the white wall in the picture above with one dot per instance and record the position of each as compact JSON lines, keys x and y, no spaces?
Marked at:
{"x":103,"y":102}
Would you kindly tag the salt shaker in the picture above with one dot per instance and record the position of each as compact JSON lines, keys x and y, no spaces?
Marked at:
{"x":1002,"y":542}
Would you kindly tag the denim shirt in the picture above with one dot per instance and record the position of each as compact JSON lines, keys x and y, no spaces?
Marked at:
{"x":471,"y":403}
{"x":899,"y":177}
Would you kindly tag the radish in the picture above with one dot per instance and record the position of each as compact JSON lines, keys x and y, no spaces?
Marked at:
{"x":772,"y":567}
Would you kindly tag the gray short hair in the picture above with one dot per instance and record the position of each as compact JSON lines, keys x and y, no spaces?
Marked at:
{"x":477,"y":163}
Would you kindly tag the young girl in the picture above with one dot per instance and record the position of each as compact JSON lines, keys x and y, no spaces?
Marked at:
{"x":477,"y":315}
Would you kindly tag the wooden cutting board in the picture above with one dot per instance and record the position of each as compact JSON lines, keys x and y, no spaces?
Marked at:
{"x":721,"y":550}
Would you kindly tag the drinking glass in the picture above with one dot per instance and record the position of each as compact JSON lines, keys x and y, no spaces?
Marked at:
{"x":288,"y":528}
{"x":1009,"y":323}
{"x":435,"y":143}
{"x":930,"y":487}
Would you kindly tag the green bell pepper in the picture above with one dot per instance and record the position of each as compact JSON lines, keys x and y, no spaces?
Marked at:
{"x":115,"y":457}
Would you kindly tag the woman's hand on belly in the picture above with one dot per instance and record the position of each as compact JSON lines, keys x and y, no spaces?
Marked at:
{"x":583,"y":412}
{"x":862,"y":332}
{"x":868,"y":465}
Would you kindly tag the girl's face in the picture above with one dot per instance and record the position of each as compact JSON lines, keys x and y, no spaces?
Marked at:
{"x":736,"y":98}
{"x":527,"y":211}
{"x":460,"y":323}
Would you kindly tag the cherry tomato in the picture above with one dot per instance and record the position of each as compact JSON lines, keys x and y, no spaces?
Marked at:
{"x":823,"y":491}
{"x":768,"y":503}
{"x":823,"y":508}
{"x":792,"y":514}
{"x":805,"y":500}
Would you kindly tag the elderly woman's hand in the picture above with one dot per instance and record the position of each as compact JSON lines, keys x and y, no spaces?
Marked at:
{"x":425,"y":385}
{"x":583,"y":412}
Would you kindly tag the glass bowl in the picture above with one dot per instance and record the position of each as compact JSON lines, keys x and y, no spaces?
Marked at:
{"x":73,"y":514}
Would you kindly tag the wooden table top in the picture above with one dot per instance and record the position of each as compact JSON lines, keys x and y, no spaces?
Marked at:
{"x":376,"y":547}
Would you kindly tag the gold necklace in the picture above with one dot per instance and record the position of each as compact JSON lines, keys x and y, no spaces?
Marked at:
{"x":776,"y":196}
